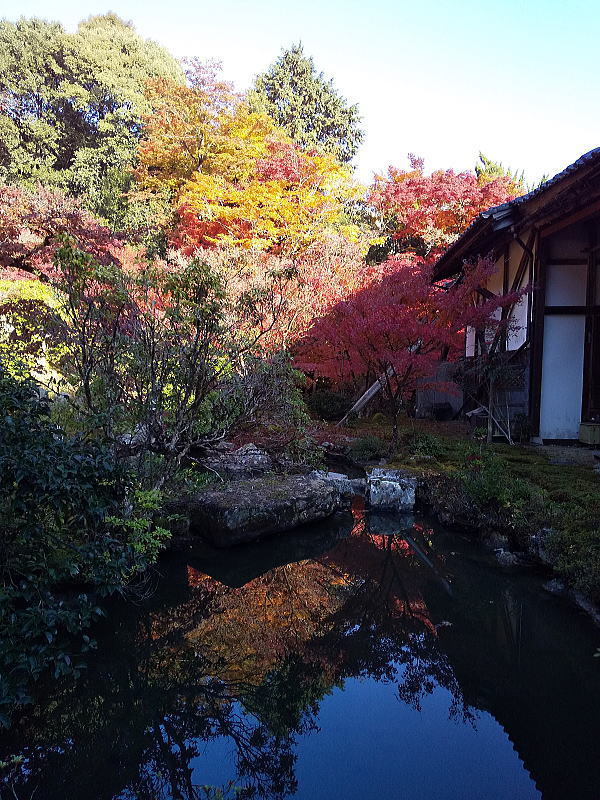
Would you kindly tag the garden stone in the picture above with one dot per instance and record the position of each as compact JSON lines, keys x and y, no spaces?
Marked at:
{"x":241,"y":511}
{"x":555,"y":586}
{"x":391,"y":488}
{"x":245,"y":462}
{"x":505,"y":558}
{"x":537,"y":546}
{"x":347,"y":487}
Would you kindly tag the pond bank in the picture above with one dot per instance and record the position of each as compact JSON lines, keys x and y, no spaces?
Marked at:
{"x":483,"y":502}
{"x":451,"y":505}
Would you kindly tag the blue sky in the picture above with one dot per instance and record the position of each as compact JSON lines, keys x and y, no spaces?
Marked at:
{"x":518,"y":80}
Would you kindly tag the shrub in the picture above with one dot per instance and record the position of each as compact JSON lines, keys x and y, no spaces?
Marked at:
{"x":329,"y":405}
{"x":577,"y":557}
{"x":74,"y":528}
{"x":379,"y":418}
{"x":368,"y":448}
{"x":493,"y":488}
{"x":423,"y":445}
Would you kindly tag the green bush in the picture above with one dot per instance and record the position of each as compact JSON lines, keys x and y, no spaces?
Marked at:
{"x":329,"y":405}
{"x":493,"y":488}
{"x":422,"y":445}
{"x":577,"y":557}
{"x":379,"y":418}
{"x":368,"y":448}
{"x":74,"y":529}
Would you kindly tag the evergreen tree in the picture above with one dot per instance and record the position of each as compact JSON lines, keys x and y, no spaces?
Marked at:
{"x":488,"y":170}
{"x":307,"y":106}
{"x":71,"y":104}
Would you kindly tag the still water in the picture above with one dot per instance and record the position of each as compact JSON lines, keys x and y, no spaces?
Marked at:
{"x":369,"y":657}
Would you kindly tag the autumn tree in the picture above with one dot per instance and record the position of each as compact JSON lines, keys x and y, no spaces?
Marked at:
{"x":315,"y":280}
{"x":307,"y":106}
{"x":32,"y":224}
{"x":397,"y":326}
{"x":426,"y":213}
{"x":182,"y":129}
{"x":231,"y":175}
{"x":292,"y":199}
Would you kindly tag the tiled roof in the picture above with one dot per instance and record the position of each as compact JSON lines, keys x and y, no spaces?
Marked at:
{"x":502,"y":213}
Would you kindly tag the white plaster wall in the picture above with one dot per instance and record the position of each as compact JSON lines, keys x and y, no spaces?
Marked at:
{"x":518,"y":325}
{"x":517,"y":334}
{"x":496,"y":280}
{"x":495,"y":285}
{"x":562,"y":376}
{"x":566,"y":285}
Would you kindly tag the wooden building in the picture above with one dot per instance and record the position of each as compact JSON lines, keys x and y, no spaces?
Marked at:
{"x":548,"y":239}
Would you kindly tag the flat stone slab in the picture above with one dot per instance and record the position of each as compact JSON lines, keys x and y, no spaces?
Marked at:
{"x":242,"y":511}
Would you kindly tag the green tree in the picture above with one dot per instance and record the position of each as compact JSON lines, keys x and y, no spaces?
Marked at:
{"x":307,"y":106}
{"x":71,"y":104}
{"x":488,"y":170}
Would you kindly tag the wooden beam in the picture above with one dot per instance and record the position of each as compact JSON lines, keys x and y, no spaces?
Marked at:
{"x":524,"y":263}
{"x":486,"y":293}
{"x":577,"y":216}
{"x":566,"y":262}
{"x":582,"y":311}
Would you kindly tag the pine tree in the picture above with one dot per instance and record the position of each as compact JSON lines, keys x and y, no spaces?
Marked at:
{"x":487,"y":170}
{"x":307,"y":105}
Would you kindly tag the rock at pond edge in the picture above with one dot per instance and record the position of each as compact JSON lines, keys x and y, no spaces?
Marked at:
{"x":392,"y":489}
{"x":242,"y":511}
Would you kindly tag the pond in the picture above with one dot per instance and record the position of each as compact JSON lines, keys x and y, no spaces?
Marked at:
{"x":372,"y":656}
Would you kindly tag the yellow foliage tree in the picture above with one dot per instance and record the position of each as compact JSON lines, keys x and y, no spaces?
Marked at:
{"x":232,"y":175}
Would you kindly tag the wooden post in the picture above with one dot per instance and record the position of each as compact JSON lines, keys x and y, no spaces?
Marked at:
{"x":490,"y":424}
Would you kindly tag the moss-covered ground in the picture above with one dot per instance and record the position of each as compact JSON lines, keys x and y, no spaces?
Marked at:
{"x":537,"y":487}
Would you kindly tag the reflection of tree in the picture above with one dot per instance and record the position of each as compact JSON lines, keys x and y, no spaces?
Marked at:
{"x":250,"y":664}
{"x":385,"y":623}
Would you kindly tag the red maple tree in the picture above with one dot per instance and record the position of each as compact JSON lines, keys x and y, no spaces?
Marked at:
{"x":398,"y":326}
{"x":427,"y":213}
{"x":32,"y":224}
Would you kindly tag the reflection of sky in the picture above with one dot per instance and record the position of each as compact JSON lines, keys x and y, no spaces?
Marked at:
{"x":370,"y":745}
{"x":215,"y":766}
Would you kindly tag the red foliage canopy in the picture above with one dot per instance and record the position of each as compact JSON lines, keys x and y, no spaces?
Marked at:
{"x":434,"y":209}
{"x":398,"y":324}
{"x":31,"y":224}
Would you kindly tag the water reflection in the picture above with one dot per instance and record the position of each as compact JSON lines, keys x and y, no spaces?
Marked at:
{"x":242,"y":649}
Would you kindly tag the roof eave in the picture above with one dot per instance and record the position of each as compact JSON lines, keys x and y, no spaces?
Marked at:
{"x":503,"y":217}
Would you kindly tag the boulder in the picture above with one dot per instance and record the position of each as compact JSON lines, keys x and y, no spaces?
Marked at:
{"x":241,"y":511}
{"x":347,"y":487}
{"x":391,"y":488}
{"x":247,"y":461}
{"x":506,"y":558}
{"x":537,"y":546}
